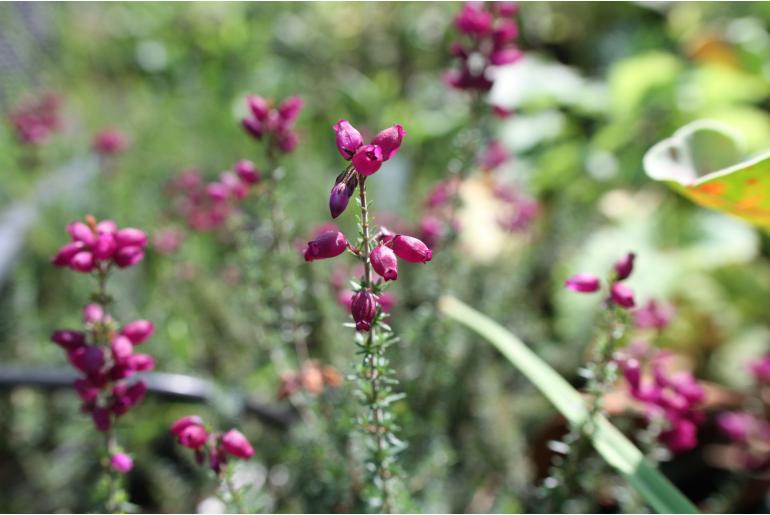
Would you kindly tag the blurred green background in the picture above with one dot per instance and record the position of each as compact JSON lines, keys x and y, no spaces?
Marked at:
{"x":600,"y":84}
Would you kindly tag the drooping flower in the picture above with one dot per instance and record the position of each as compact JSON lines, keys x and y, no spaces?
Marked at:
{"x":624,"y":266}
{"x":348,"y":139}
{"x":363,"y":307}
{"x":327,"y":245}
{"x":411,"y":249}
{"x":235,"y":444}
{"x":384,"y":262}
{"x":622,"y":295}
{"x":583,"y":283}
{"x":368,"y":159}
{"x":389,"y":140}
{"x":121,"y":462}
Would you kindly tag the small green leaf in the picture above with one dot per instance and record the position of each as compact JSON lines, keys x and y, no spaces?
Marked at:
{"x":705,"y":162}
{"x":610,"y":443}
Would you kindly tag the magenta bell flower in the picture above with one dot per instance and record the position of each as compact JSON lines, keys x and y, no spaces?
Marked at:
{"x":184,"y":422}
{"x":68,"y":339}
{"x":411,"y":249}
{"x":128,"y":256}
{"x":82,"y":262}
{"x":363,"y":308}
{"x":253,"y":127}
{"x":247,"y":172}
{"x":622,"y":295}
{"x":235,"y":444}
{"x":193,"y":436}
{"x":259,"y":107}
{"x":121,"y":462}
{"x":583,"y":283}
{"x":625,"y":266}
{"x":474,"y":20}
{"x":93,"y":313}
{"x":384,"y":262}
{"x":327,"y":245}
{"x":368,"y":159}
{"x":121,"y":348}
{"x":138,"y":331}
{"x":389,"y":140}
{"x":348,"y":139}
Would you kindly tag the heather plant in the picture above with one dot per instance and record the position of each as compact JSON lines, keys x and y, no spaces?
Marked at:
{"x":103,"y":353}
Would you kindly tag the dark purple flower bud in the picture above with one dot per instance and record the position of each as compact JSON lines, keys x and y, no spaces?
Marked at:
{"x":348,"y":139}
{"x":506,"y":56}
{"x":235,"y":444}
{"x":138,"y":331}
{"x":184,"y":422}
{"x":259,"y":107}
{"x":384,"y":262}
{"x":290,"y":108}
{"x":411,"y":249}
{"x":247,"y":171}
{"x":102,"y":419}
{"x":192,"y":436}
{"x":364,"y":309}
{"x":622,"y":295}
{"x":81,"y":232}
{"x":65,"y":254}
{"x":368,"y":159}
{"x":389,"y":140}
{"x":253,"y":127}
{"x":88,"y":359}
{"x":624,"y":266}
{"x":121,"y":462}
{"x":582,"y":283}
{"x":128,"y":256}
{"x":82,"y":262}
{"x":68,"y":339}
{"x":328,"y":244}
{"x":339,"y":198}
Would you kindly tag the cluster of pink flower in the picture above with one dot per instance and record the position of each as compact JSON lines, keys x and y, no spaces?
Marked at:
{"x":96,"y":246}
{"x":620,"y":293}
{"x":190,"y":432}
{"x":313,"y":378}
{"x":365,"y":161}
{"x":37,"y":119}
{"x":108,"y":142}
{"x":206,"y":206}
{"x":275,"y":125}
{"x":490,"y":31}
{"x":673,"y":397}
{"x":749,"y":431}
{"x":104,"y":351}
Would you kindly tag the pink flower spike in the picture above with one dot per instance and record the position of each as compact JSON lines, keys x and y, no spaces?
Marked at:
{"x":368,"y":159}
{"x":235,"y":444}
{"x":624,"y":266}
{"x":327,"y":245}
{"x":363,"y":308}
{"x":384,"y":262}
{"x":348,"y":139}
{"x":389,"y":140}
{"x":411,"y":249}
{"x":138,"y":331}
{"x":121,"y":462}
{"x":622,"y":295}
{"x":582,"y":283}
{"x":184,"y":422}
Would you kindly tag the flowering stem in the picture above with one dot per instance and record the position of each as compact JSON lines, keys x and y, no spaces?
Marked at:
{"x":371,"y":371}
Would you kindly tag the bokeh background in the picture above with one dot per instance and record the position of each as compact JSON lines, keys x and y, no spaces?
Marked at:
{"x":599,"y":84}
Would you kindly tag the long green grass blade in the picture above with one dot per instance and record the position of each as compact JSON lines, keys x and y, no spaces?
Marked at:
{"x":610,"y":443}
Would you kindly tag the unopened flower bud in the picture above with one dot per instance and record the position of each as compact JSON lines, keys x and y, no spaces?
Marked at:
{"x":184,"y":422}
{"x":253,"y":127}
{"x":81,"y":232}
{"x":93,"y":313}
{"x":622,"y":295}
{"x":327,"y":245}
{"x":82,"y":262}
{"x":363,"y":308}
{"x":247,"y":171}
{"x":128,"y":256}
{"x":259,"y":106}
{"x":193,"y":436}
{"x":582,"y":283}
{"x":624,"y":266}
{"x":65,"y":254}
{"x":290,"y":108}
{"x":121,"y":348}
{"x":287,"y":141}
{"x":348,"y":139}
{"x":130,"y":237}
{"x":389,"y":140}
{"x":235,"y":444}
{"x":138,"y":331}
{"x":121,"y":462}
{"x":68,"y":339}
{"x":384,"y":262}
{"x":411,"y":249}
